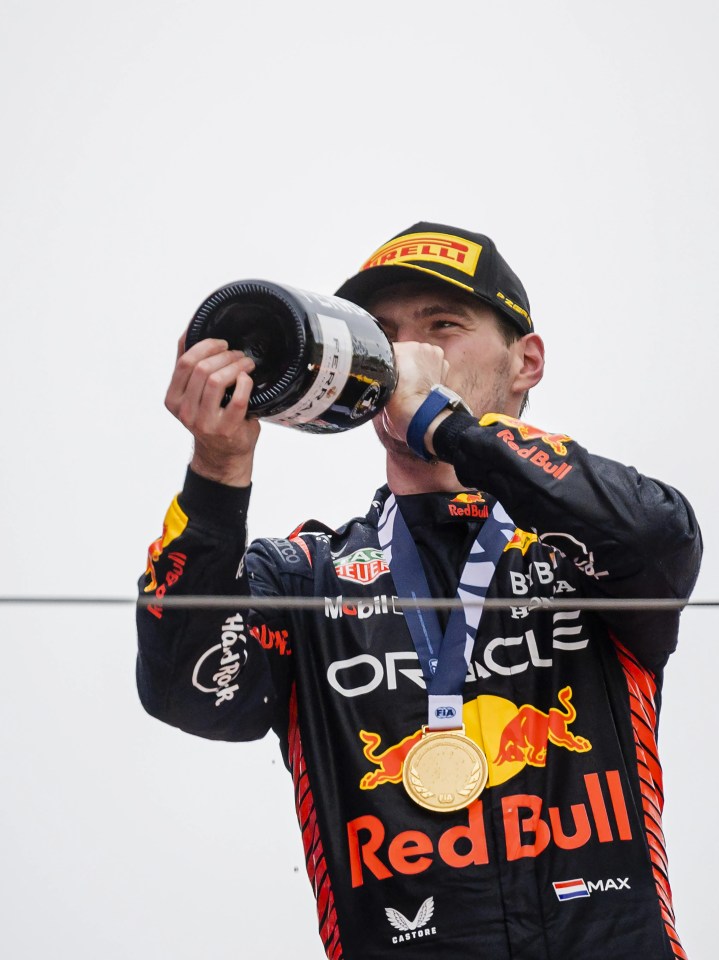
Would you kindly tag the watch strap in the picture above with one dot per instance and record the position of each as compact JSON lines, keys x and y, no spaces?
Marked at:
{"x":434,"y":403}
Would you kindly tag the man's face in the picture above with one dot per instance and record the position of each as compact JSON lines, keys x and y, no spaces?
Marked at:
{"x":481,"y":367}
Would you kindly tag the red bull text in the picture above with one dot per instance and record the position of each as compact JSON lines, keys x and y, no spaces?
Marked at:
{"x":535,"y":455}
{"x":528,"y":828}
{"x":468,"y":505}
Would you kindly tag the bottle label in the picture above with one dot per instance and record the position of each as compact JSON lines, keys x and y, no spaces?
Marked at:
{"x":331,"y":377}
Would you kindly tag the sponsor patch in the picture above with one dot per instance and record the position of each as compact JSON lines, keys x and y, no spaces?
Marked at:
{"x":172,"y":575}
{"x":471,"y":506}
{"x":512,"y":735}
{"x":431,"y":247}
{"x":412,"y":929}
{"x":570,"y":889}
{"x":362,"y":566}
{"x":219,"y":666}
{"x":557,"y":442}
{"x":514,"y":306}
{"x":173,"y":527}
{"x":522,"y":540}
{"x":336,"y":607}
{"x":528,"y":828}
{"x":272,"y":639}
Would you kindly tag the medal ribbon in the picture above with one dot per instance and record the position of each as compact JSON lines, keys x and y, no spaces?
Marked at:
{"x":444,"y":658}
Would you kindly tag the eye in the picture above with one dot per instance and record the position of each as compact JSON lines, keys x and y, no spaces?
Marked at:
{"x":389,"y":332}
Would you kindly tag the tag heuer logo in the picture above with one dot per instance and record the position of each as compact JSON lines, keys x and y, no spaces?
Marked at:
{"x":412,"y":929}
{"x":362,"y":566}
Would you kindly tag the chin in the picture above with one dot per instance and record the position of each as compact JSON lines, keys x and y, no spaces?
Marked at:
{"x":393,"y":446}
{"x":379,"y":429}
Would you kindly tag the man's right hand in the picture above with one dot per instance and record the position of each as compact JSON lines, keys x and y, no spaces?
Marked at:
{"x":224,"y":438}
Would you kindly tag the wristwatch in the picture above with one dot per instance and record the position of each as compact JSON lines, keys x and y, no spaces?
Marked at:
{"x":439,"y":398}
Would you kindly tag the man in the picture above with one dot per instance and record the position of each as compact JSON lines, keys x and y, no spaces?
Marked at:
{"x":483,"y":783}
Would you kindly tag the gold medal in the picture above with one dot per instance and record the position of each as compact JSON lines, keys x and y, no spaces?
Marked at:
{"x":445,"y":770}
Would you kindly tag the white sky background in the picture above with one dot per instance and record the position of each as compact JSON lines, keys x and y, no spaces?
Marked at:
{"x":155,"y":150}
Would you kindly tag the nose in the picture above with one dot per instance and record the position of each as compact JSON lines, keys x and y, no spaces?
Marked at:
{"x":405,"y":333}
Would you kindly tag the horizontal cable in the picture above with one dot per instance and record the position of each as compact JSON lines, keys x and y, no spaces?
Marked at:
{"x":243,"y":602}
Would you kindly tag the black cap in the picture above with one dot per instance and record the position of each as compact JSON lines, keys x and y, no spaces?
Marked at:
{"x":467,"y":260}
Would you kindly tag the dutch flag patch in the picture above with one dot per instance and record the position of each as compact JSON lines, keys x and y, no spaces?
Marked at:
{"x":570,"y":889}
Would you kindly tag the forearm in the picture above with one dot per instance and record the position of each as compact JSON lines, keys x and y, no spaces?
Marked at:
{"x":202,"y":669}
{"x":641,"y":534}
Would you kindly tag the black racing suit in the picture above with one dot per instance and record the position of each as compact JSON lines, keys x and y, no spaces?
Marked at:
{"x":562,"y":856}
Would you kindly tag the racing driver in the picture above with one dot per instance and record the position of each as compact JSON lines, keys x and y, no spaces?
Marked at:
{"x":475,"y":783}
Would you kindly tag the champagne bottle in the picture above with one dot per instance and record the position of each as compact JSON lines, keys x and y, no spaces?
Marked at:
{"x":322,"y":364}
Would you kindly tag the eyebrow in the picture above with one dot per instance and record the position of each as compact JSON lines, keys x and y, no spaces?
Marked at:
{"x":456,"y":308}
{"x":423,"y":313}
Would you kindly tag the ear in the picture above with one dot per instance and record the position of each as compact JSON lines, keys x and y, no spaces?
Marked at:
{"x":529,"y":363}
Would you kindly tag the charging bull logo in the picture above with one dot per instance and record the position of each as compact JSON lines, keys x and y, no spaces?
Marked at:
{"x":468,"y":497}
{"x":556,"y":441}
{"x":525,"y":738}
{"x":389,"y":762}
{"x":511,"y":737}
{"x":522,"y":540}
{"x":173,"y":526}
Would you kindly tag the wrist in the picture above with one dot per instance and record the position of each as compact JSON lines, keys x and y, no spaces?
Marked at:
{"x":429,"y":435}
{"x":213,"y":504}
{"x":231,"y":471}
{"x":447,"y":435}
{"x":437,"y":406}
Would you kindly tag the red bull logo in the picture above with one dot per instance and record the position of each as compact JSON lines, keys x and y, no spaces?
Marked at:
{"x":470,"y":505}
{"x":534,"y":454}
{"x":556,"y":441}
{"x":526,"y":737}
{"x":389,"y":762}
{"x":468,"y":497}
{"x":522,"y":540}
{"x":177,"y":562}
{"x":529,"y":828}
{"x":511,"y":737}
{"x":172,"y":527}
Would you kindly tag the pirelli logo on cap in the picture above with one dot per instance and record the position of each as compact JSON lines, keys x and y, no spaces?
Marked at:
{"x":433,"y":247}
{"x":514,"y":306}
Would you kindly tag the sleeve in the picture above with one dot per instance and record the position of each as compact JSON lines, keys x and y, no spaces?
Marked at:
{"x":631,"y":536}
{"x":221,"y":673}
